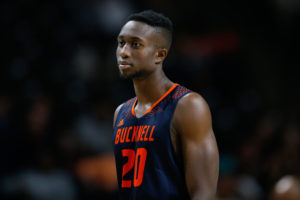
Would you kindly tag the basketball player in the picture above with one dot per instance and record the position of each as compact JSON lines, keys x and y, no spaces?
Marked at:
{"x":163,"y":139}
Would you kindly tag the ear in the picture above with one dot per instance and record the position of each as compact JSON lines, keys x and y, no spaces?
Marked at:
{"x":160,"y":55}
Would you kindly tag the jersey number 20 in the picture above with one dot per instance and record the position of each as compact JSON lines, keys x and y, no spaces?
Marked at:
{"x":136,"y":161}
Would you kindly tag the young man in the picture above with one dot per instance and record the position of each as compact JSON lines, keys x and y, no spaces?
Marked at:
{"x":163,"y":139}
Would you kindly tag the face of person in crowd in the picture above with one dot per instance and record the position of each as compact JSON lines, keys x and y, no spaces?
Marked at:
{"x":139,"y":52}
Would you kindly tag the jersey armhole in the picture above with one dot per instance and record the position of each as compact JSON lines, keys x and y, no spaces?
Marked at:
{"x":116,"y":114}
{"x":176,"y":149}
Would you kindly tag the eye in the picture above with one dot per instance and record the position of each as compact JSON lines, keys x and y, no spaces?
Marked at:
{"x":121,"y":43}
{"x":136,"y":44}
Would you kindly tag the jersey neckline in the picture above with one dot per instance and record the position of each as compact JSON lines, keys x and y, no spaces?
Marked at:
{"x":155,"y":104}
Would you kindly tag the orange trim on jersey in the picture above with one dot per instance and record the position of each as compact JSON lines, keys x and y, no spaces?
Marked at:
{"x":132,"y":109}
{"x":157,"y":102}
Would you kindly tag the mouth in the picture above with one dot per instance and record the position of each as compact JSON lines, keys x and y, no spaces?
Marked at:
{"x":124,"y":65}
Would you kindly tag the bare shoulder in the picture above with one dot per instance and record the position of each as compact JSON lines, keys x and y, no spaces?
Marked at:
{"x":192,"y":105}
{"x":193,"y":101}
{"x":192,"y":114}
{"x":192,"y":121}
{"x":116,"y":113}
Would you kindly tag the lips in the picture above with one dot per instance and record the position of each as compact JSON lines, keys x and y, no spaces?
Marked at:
{"x":124,"y":65}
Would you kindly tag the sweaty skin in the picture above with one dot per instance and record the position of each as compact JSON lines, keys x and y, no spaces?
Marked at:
{"x":192,"y":126}
{"x":140,"y":53}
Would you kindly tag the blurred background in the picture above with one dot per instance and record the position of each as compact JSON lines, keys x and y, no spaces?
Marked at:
{"x":59,"y":87}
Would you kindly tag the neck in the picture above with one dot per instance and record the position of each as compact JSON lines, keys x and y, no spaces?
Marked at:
{"x":149,"y":89}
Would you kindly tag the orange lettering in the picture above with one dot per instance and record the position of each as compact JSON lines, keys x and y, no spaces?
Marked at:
{"x":117,"y":136}
{"x":150,"y":137}
{"x":143,"y":133}
{"x":128,"y":131}
{"x":123,"y":134}
{"x":140,"y":133}
{"x":135,"y":130}
{"x":145,"y":138}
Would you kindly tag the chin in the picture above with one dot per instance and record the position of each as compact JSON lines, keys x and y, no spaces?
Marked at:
{"x":130,"y":76}
{"x":126,"y":76}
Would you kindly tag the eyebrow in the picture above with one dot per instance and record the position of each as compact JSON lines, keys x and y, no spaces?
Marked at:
{"x":130,"y":37}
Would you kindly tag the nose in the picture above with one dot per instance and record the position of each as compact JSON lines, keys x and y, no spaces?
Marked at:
{"x":124,"y":51}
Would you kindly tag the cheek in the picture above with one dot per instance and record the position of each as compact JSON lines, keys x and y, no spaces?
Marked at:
{"x":139,"y":57}
{"x":147,"y":57}
{"x":117,"y":52}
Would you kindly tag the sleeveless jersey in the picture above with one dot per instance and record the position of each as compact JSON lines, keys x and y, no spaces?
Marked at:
{"x":147,"y":164}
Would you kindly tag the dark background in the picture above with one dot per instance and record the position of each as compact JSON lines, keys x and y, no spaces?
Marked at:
{"x":59,"y":87}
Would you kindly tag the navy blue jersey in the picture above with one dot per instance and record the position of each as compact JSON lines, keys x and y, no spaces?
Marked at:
{"x":147,"y":164}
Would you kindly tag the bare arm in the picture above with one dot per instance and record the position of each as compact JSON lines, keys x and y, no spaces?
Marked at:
{"x":192,"y":120}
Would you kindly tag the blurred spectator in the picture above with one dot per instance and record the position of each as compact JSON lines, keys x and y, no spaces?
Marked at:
{"x":112,"y":13}
{"x":226,"y":188}
{"x":42,"y":182}
{"x":248,"y":188}
{"x":93,"y":129}
{"x":6,"y":133}
{"x":286,"y":188}
{"x":97,"y":174}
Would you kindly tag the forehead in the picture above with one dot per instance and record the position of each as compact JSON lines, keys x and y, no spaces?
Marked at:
{"x":138,"y":30}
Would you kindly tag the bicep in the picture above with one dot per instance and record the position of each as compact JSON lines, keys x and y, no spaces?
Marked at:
{"x":199,"y":148}
{"x":201,"y":164}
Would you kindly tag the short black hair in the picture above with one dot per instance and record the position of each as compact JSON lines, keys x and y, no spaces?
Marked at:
{"x":154,"y":19}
